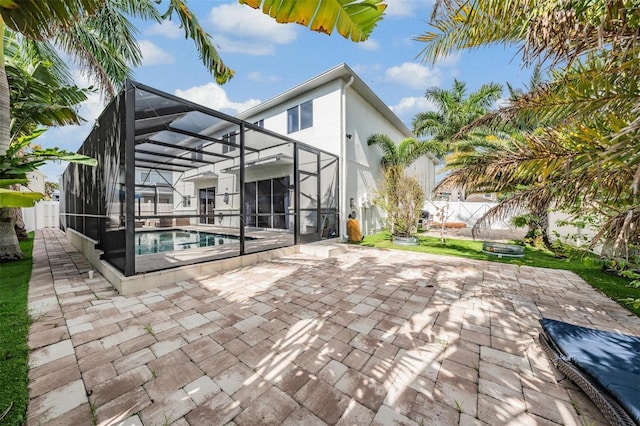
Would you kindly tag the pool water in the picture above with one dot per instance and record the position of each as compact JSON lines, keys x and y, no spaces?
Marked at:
{"x":172,"y":240}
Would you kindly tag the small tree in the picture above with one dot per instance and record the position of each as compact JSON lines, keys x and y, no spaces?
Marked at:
{"x":401,"y":197}
{"x":22,"y":158}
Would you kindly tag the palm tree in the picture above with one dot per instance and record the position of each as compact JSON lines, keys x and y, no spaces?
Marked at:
{"x":455,"y":111}
{"x":402,"y":197}
{"x":585,"y":158}
{"x":470,"y":168}
{"x":42,"y":93}
{"x":98,"y":36}
{"x":35,"y":21}
{"x":39,"y":98}
{"x":403,"y":154}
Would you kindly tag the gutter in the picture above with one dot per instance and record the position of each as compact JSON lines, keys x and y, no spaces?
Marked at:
{"x":343,"y":157}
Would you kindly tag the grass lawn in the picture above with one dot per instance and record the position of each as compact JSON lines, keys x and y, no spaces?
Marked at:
{"x":583,"y":264}
{"x":14,"y":327}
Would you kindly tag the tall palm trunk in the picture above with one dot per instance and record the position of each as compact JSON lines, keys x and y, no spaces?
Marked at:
{"x":539,"y":227}
{"x":9,"y":245}
{"x":5,"y":114}
{"x":19,"y":226}
{"x":544,"y":227}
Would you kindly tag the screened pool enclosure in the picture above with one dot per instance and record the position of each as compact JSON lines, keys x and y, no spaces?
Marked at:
{"x":177,"y":184}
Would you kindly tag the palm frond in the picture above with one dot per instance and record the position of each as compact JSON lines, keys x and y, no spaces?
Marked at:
{"x":353,"y":19}
{"x":532,"y":199}
{"x":389,"y":149}
{"x":192,"y":29}
{"x":40,"y":20}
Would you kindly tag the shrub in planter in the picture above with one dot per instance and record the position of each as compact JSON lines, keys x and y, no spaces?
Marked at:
{"x":402,"y":198}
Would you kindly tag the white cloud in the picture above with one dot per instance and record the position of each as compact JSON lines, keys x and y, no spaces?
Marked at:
{"x":408,"y":107}
{"x":213,"y":96}
{"x":247,"y":47}
{"x":247,"y":23}
{"x":93,"y":106}
{"x":153,"y":54}
{"x":261,"y":78}
{"x":501,"y":103}
{"x":362,"y":69}
{"x":449,"y":60}
{"x":370,"y":44}
{"x":413,"y":75}
{"x":165,"y":28}
{"x":408,"y":7}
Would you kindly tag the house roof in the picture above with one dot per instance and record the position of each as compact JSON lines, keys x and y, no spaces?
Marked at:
{"x":344,"y":72}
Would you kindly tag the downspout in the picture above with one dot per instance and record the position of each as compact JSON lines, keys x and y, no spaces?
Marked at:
{"x":343,"y":159}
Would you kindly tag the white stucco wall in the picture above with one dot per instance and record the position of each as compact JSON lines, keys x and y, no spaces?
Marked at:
{"x":424,"y":170}
{"x":325,"y":132}
{"x":360,"y":172}
{"x":363,"y":162}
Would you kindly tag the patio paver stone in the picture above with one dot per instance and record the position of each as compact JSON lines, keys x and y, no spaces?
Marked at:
{"x":373,"y":337}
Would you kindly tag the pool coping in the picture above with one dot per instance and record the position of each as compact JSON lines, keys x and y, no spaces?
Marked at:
{"x":147,"y":280}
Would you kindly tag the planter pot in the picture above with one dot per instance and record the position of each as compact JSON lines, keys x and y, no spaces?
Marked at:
{"x":406,"y":241}
{"x":502,"y":250}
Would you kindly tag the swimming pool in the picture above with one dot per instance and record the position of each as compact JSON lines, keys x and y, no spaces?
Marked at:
{"x":148,"y":242}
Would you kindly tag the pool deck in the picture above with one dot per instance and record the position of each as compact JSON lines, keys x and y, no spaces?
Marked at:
{"x":370,"y":337}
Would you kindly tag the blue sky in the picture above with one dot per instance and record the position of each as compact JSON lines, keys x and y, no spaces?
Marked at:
{"x":269,"y":58}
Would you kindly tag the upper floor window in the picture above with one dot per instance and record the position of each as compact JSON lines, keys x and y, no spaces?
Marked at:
{"x":260,"y":123}
{"x":300,"y":117}
{"x":230,"y":138}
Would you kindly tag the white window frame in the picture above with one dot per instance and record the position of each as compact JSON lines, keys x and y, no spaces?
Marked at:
{"x":300,"y":117}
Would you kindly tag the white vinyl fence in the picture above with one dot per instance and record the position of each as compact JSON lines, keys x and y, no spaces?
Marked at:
{"x":470,"y":212}
{"x":45,"y":214}
{"x":464,"y":211}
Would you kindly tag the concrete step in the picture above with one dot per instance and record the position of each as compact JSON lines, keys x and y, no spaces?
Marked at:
{"x":324,"y":248}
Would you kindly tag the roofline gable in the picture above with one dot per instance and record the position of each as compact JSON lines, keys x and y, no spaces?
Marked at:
{"x":343,"y":72}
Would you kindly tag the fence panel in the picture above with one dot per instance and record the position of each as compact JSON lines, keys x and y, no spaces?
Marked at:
{"x":470,"y":212}
{"x":466,"y":212}
{"x":45,"y":214}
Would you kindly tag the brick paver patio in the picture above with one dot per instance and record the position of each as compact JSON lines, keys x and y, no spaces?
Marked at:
{"x":371,"y":337}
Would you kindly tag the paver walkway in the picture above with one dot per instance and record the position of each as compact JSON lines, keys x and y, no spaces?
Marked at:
{"x":372,"y":337}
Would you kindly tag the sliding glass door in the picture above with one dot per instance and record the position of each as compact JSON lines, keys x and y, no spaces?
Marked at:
{"x":267,"y":203}
{"x":207,"y":198}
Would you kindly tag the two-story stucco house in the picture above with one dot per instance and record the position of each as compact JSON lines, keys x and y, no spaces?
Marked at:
{"x":178,"y":184}
{"x":335,"y":112}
